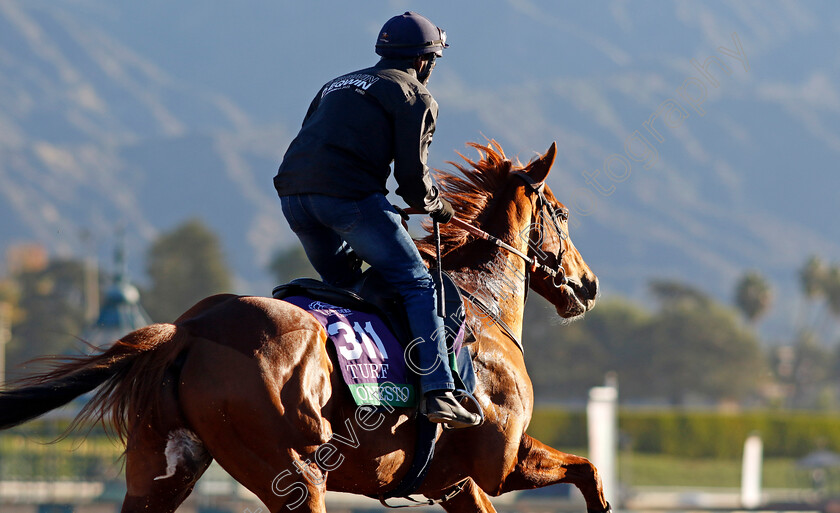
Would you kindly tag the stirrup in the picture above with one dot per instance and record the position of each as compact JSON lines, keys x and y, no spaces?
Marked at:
{"x":459,"y":394}
{"x":446,"y":417}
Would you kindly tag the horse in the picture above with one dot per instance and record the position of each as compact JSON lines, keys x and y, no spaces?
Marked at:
{"x":250,"y":381}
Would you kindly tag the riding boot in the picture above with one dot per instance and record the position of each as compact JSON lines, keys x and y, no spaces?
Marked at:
{"x":440,"y":406}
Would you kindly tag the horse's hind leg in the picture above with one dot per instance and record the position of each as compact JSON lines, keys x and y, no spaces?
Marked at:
{"x":163,"y":461}
{"x":470,"y":499}
{"x":539,"y":465}
{"x":161,"y":471}
{"x":246,"y":424}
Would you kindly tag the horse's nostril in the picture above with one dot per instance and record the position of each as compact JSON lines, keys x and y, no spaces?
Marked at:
{"x":590,"y":286}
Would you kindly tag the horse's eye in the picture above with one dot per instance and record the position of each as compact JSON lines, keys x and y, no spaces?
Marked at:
{"x":562,"y":213}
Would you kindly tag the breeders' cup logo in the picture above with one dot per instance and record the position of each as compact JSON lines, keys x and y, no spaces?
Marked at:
{"x":327,"y":308}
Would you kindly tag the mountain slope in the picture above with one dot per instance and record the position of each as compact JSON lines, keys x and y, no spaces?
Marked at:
{"x":150,"y":113}
{"x":93,"y":135}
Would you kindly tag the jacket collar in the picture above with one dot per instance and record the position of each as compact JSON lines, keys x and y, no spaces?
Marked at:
{"x":406,"y":65}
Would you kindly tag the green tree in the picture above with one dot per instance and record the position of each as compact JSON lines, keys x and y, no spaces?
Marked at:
{"x":691,"y":346}
{"x":701,"y":350}
{"x":288,"y":264}
{"x":671,"y":293}
{"x":9,"y":291}
{"x":184,"y":266}
{"x":697,"y":347}
{"x":565,"y":361}
{"x":48,"y":315}
{"x":811,"y":373}
{"x":753,"y":296}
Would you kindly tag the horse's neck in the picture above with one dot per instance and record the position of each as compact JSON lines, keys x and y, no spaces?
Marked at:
{"x":499,"y":285}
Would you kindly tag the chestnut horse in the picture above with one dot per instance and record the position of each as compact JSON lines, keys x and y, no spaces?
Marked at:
{"x":250,"y":382}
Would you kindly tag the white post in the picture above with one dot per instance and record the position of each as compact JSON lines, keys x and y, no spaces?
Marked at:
{"x":602,"y":423}
{"x":751,"y":472}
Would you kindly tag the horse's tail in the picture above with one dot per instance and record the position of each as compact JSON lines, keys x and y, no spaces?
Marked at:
{"x":129,"y":374}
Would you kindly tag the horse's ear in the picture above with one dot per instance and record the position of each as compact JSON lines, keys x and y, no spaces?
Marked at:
{"x":538,"y":169}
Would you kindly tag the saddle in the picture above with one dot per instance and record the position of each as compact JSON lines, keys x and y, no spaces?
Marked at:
{"x":372,"y":294}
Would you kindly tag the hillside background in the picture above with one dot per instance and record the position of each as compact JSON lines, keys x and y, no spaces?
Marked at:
{"x":144,"y":114}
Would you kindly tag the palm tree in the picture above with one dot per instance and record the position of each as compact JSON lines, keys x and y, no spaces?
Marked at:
{"x":812,"y":278}
{"x":753,"y":296}
{"x":832,"y":290}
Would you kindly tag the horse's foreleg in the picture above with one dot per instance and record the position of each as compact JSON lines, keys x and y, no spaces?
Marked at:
{"x":539,"y":465}
{"x":469,"y":500}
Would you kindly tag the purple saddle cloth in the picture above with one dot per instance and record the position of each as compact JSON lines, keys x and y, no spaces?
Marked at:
{"x":369,"y":355}
{"x":369,"y":332}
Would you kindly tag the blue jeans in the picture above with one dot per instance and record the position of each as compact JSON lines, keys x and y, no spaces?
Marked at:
{"x":373,"y":229}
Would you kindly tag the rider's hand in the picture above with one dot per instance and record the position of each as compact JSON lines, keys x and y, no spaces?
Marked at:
{"x":444,"y":214}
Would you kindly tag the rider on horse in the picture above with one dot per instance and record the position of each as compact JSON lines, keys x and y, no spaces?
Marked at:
{"x":332,"y":186}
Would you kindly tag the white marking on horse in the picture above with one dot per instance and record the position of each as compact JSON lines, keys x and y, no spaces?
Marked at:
{"x":180,"y":445}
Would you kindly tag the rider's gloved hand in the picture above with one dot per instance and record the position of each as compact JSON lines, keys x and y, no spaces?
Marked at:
{"x":444,"y":214}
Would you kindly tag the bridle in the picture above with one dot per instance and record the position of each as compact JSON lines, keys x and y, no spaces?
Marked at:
{"x":556,"y":216}
{"x":539,"y":261}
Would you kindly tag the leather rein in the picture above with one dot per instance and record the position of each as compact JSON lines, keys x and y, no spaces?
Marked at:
{"x":556,"y":216}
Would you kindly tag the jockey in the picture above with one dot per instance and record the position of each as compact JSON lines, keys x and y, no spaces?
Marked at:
{"x":332,"y":187}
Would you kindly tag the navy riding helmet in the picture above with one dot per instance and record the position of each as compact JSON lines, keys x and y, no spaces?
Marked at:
{"x":410,"y":35}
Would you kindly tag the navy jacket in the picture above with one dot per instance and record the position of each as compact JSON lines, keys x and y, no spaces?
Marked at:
{"x":355,"y":127}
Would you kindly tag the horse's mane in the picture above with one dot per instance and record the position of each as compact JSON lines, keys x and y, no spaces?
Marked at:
{"x":470,"y":192}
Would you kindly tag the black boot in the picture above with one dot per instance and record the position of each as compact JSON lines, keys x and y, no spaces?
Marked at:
{"x":440,"y":406}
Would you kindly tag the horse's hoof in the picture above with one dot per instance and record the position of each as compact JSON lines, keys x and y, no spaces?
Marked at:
{"x":608,"y":509}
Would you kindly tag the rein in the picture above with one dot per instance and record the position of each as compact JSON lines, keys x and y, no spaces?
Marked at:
{"x":496,"y":319}
{"x":533,"y":262}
